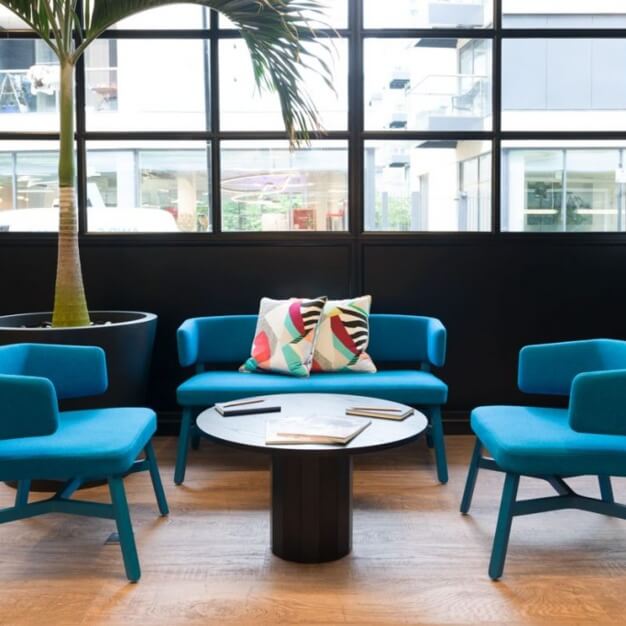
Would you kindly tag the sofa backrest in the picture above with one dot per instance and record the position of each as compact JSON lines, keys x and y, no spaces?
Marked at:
{"x":393,"y":339}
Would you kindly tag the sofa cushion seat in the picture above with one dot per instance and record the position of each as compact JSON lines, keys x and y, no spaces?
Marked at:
{"x":540,"y":441}
{"x":90,"y":443}
{"x":406,"y":386}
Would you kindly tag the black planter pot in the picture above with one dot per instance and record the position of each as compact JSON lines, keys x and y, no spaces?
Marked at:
{"x":127,"y":337}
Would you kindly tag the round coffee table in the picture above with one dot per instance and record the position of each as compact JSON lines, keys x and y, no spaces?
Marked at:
{"x":312,"y":484}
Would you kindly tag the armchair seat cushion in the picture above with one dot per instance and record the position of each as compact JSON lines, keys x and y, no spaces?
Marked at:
{"x":407,"y":386}
{"x":92,"y":443}
{"x":539,"y":441}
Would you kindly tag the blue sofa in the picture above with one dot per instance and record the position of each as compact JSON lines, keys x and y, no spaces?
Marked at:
{"x":404,"y":348}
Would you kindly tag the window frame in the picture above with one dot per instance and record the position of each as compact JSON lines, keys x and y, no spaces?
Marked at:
{"x":356,"y":135}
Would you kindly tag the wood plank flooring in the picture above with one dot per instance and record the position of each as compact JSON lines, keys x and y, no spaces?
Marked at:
{"x":416,"y":560}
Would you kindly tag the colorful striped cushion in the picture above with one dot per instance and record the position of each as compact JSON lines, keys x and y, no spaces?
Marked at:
{"x":285,"y":336}
{"x":343,"y":337}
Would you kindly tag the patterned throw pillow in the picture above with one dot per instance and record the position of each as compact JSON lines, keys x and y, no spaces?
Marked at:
{"x":285,"y":336}
{"x":343,"y":337}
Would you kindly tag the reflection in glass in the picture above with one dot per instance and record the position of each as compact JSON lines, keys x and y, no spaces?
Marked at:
{"x":146,"y":188}
{"x":125,"y":92}
{"x":242,"y":107}
{"x":29,"y":196}
{"x":427,"y":84}
{"x":552,"y":188}
{"x":427,"y":186}
{"x":267,"y":187}
{"x":428,"y":14}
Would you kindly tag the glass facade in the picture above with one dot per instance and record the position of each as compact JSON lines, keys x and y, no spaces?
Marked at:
{"x":441,"y":118}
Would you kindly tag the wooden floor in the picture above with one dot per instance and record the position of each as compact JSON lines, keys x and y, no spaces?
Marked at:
{"x":416,"y":560}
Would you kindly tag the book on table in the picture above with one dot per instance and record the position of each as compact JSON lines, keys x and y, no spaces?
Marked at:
{"x":314,"y":430}
{"x":381,"y":412}
{"x":246,"y":407}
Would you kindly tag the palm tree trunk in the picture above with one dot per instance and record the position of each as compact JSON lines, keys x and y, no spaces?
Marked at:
{"x":70,"y":305}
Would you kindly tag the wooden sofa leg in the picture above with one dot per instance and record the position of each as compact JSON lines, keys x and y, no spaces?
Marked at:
{"x":503,"y":529}
{"x":434,"y":414}
{"x":183,"y":446}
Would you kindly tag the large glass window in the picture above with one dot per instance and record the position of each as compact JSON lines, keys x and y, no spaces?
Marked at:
{"x":427,"y":186}
{"x":29,"y":196}
{"x":563,"y":14}
{"x":267,"y":187}
{"x":428,"y":84}
{"x":563,"y":187}
{"x":146,"y":187}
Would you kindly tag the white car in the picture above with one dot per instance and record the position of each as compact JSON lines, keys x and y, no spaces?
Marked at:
{"x":99,"y":220}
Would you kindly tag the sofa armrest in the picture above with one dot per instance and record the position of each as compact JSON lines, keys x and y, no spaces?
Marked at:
{"x":28,"y":407}
{"x":75,"y":371}
{"x":598,"y":403}
{"x":188,"y":340}
{"x":436,"y":342}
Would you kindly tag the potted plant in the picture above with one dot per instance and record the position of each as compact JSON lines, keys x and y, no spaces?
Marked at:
{"x":271,"y":30}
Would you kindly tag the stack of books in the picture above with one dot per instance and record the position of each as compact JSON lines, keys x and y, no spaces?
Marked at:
{"x":380,"y":412}
{"x":246,"y":407}
{"x":314,"y":430}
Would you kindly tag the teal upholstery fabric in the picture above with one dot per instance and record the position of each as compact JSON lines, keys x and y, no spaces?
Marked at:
{"x":598,"y":403}
{"x":75,"y":371}
{"x":393,"y":338}
{"x":550,"y":368}
{"x":28,"y":407}
{"x":90,"y":443}
{"x":407,"y":386}
{"x":539,"y":441}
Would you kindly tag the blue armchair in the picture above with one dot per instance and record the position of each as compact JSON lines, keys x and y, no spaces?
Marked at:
{"x":588,"y":438}
{"x":37,"y":441}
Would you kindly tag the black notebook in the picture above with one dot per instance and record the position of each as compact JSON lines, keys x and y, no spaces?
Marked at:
{"x":246,"y":407}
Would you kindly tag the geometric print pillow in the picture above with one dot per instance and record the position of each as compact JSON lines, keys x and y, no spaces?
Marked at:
{"x":285,"y":336}
{"x":343,"y":337}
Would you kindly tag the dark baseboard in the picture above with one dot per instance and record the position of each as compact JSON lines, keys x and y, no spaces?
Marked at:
{"x":454,"y":423}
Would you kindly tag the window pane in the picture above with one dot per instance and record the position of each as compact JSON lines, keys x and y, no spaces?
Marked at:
{"x":10,"y":21}
{"x":427,"y":186}
{"x":563,"y":187}
{"x":428,"y":84}
{"x":125,"y":92}
{"x":428,"y":14}
{"x":29,"y":82}
{"x":267,"y":187}
{"x":335,"y":15}
{"x":564,"y":84}
{"x":563,"y":14}
{"x":148,"y":187}
{"x":177,"y":16}
{"x":244,"y":108}
{"x":29,"y":196}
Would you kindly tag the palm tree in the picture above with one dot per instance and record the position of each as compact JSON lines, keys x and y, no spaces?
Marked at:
{"x":270,"y":28}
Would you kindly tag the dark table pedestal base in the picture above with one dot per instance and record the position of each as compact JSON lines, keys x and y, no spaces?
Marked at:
{"x":311,"y":507}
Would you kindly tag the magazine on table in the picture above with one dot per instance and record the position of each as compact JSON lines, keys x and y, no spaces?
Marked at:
{"x":246,"y":407}
{"x":308,"y":430}
{"x":381,"y":412}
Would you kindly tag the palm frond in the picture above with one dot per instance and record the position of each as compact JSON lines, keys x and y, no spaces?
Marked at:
{"x":39,"y":15}
{"x":272,"y":31}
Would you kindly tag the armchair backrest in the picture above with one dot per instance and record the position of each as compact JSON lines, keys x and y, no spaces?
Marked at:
{"x":551,"y":368}
{"x":393,"y":338}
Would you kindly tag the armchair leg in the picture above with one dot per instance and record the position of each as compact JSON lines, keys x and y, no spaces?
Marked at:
{"x":472,"y":474}
{"x":434,"y":414}
{"x":183,"y":446}
{"x":429,"y":438}
{"x":606,"y":489}
{"x":23,"y":489}
{"x":156,"y":479}
{"x":124,"y":528}
{"x":503,"y":529}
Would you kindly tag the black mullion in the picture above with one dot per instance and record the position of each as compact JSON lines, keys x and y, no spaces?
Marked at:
{"x":356,"y":143}
{"x":496,"y":153}
{"x":216,"y":169}
{"x":81,"y":146}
